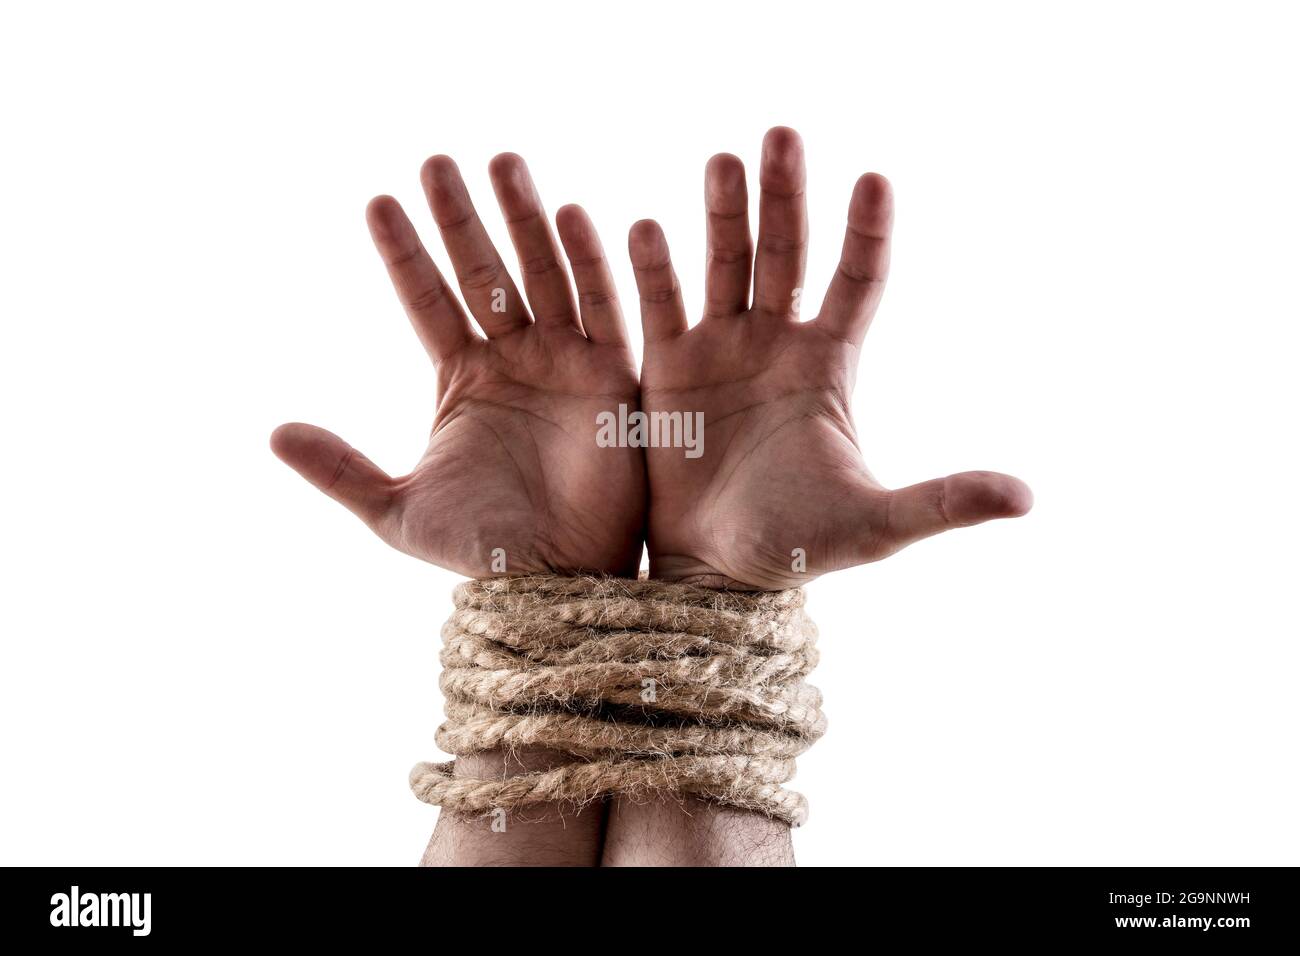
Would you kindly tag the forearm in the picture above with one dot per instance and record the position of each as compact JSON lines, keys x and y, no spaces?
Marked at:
{"x":686,"y":831}
{"x":672,"y":830}
{"x":654,"y":697}
{"x":551,"y":834}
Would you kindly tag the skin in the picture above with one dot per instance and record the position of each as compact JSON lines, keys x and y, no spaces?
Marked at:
{"x":782,"y":468}
{"x":513,"y":463}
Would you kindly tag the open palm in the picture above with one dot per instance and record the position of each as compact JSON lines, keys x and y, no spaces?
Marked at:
{"x":781,"y":492}
{"x":512,"y":480}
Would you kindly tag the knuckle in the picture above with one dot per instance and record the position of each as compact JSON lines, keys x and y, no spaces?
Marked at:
{"x":539,"y":265}
{"x":597,"y":299}
{"x":782,"y":245}
{"x":727,"y":257}
{"x":659,"y":296}
{"x":858,"y":275}
{"x":481,"y":276}
{"x":426,"y":299}
{"x":405,"y":256}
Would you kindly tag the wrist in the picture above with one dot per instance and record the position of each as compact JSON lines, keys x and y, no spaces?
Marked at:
{"x":685,"y":570}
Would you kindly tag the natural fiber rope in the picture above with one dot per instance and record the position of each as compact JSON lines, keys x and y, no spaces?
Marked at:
{"x":649,"y":686}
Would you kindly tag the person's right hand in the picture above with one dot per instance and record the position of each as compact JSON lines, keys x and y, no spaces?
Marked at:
{"x":512,"y":462}
{"x":781,"y":472}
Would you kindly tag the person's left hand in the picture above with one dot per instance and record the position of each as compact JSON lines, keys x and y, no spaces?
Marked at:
{"x":781,"y":474}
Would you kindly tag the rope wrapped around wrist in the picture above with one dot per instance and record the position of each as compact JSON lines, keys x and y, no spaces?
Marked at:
{"x":647,"y":685}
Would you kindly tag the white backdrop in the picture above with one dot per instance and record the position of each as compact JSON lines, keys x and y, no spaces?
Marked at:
{"x":1094,"y":288}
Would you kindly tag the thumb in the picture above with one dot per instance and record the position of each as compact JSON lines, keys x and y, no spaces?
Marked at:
{"x":957,"y":501}
{"x":336,"y":468}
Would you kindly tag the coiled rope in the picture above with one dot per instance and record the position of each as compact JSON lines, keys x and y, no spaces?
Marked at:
{"x":647,"y":685}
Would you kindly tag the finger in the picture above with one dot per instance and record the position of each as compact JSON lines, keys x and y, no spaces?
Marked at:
{"x":859,"y":282}
{"x":782,"y":223}
{"x":545,"y":280}
{"x":336,"y":468}
{"x":597,"y":296}
{"x":437,"y":317}
{"x":957,"y":501}
{"x":490,"y":293}
{"x":731,"y":251}
{"x":662,"y":312}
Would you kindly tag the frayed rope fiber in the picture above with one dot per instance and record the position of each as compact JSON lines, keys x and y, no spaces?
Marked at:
{"x":647,"y":685}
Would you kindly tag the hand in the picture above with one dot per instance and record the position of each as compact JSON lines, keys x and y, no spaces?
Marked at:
{"x":512,"y":463}
{"x":781,"y":468}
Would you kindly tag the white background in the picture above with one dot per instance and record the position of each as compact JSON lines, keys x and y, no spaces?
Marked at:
{"x":1095,"y":288}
